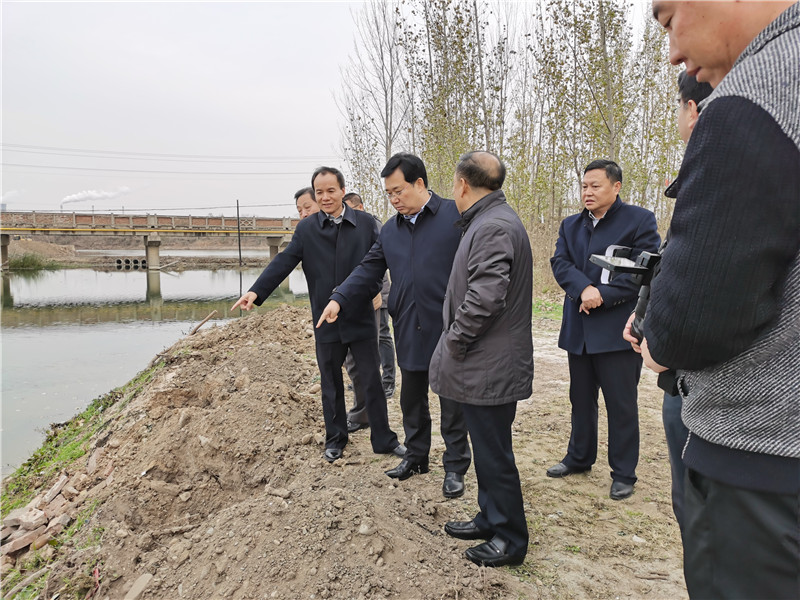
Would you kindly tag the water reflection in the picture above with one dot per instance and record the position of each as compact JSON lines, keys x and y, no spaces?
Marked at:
{"x":84,"y":296}
{"x":69,"y":336}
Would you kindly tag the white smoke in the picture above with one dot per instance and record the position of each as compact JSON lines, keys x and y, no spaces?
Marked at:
{"x":11,"y":194}
{"x":94,"y":195}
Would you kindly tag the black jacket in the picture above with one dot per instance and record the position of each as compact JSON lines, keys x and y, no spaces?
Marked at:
{"x":600,"y":330}
{"x":419,"y":258}
{"x":329,"y":252}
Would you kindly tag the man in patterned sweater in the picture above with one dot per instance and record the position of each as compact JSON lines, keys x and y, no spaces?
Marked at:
{"x":724,"y":310}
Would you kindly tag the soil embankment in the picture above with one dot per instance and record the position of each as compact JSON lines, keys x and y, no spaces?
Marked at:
{"x":210,"y":483}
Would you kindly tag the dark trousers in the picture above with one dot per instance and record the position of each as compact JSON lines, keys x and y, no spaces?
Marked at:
{"x":499,"y":488}
{"x":358,"y":413}
{"x":330,"y":357}
{"x":676,"y":433}
{"x":386,"y":349}
{"x":417,"y":424}
{"x":617,"y":374}
{"x":740,"y":543}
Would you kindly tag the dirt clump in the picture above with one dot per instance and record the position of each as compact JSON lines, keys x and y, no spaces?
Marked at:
{"x":214,"y":486}
{"x":45,"y":250}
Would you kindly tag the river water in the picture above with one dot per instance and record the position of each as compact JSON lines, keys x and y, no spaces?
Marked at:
{"x":72,"y":335}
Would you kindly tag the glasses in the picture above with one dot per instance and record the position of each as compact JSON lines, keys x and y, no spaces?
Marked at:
{"x":396,"y":193}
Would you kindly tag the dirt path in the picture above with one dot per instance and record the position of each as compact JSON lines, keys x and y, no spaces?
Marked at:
{"x":211,"y":484}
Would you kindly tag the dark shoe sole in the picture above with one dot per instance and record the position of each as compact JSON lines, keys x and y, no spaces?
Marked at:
{"x":621,"y":496}
{"x":477,"y":535}
{"x":567,"y":473}
{"x":505,"y":560}
{"x":418,"y":471}
{"x":457,"y":494}
{"x":421,"y":470}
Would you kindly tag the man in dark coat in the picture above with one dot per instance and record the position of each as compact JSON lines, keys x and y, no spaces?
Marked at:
{"x":418,"y":246}
{"x":595,"y":310}
{"x":357,"y":415}
{"x":330,"y":244}
{"x":484,"y":357}
{"x":724,"y":309}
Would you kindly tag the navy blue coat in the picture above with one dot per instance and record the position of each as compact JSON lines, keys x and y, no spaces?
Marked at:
{"x":328,"y":253}
{"x":600,"y":330}
{"x":419,"y":259}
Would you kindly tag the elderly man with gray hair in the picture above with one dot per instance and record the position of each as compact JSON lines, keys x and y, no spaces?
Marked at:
{"x":484,"y":358}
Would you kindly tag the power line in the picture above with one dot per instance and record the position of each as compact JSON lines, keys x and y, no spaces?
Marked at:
{"x":164,"y":209}
{"x":236,"y":174}
{"x":194,"y":160}
{"x":28,"y":147}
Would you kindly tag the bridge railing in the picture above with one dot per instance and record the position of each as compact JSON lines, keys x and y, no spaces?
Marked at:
{"x":78,"y":220}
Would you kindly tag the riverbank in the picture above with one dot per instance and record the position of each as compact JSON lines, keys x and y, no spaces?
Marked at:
{"x":67,"y":256}
{"x":204,"y":478}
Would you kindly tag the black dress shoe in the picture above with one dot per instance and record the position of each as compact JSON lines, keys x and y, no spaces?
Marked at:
{"x":406,"y":469}
{"x":620,"y":490}
{"x":492,"y":554}
{"x":453,"y":486}
{"x":562,"y":470}
{"x":332,"y":454}
{"x":466,"y":530}
{"x":352,"y":426}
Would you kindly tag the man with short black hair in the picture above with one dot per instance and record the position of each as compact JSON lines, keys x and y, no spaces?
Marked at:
{"x":305,"y":202}
{"x":484,"y":357}
{"x":724,"y":308}
{"x":418,"y":246}
{"x":595,"y":311}
{"x":330,"y":244}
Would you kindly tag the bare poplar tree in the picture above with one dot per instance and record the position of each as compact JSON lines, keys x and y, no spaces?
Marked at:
{"x":373,"y":102}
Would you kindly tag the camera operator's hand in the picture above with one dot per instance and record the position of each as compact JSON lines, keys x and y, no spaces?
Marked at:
{"x":330,"y":313}
{"x":648,"y":360}
{"x":590,"y":298}
{"x":246,"y":301}
{"x":629,"y":337}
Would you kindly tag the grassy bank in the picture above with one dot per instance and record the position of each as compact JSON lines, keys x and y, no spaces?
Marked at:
{"x":32,"y":262}
{"x":67,"y":443}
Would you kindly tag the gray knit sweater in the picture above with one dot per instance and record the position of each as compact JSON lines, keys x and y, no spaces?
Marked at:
{"x":732,"y":326}
{"x":752,"y":401}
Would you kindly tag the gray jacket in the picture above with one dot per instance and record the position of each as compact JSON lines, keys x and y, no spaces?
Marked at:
{"x":485,"y":354}
{"x":752,"y":401}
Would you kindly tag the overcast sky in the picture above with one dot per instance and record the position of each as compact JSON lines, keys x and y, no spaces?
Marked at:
{"x":93,"y":92}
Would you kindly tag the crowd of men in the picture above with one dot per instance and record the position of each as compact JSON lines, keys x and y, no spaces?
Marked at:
{"x":722,"y":324}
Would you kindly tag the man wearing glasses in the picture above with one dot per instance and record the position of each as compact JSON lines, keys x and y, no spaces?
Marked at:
{"x":417,"y":246}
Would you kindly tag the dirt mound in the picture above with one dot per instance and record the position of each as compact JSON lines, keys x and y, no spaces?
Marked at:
{"x":210,"y":483}
{"x":45,"y":250}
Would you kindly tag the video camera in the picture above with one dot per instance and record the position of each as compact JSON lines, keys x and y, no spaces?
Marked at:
{"x":642,"y":270}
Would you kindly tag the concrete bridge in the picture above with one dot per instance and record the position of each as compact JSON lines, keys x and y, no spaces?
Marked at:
{"x":150,"y":227}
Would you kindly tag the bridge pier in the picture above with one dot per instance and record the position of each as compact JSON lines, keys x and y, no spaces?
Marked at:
{"x":5,"y":240}
{"x":151,"y":245}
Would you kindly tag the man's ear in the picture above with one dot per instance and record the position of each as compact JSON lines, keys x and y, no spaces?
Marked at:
{"x":694,"y":113}
{"x":617,"y":186}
